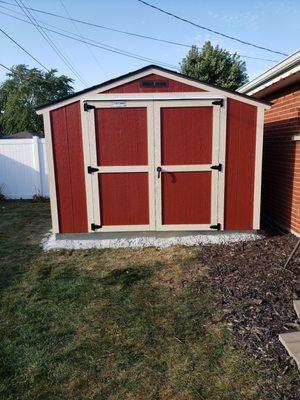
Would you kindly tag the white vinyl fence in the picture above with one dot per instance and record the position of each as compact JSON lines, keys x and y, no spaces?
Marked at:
{"x":23,"y":168}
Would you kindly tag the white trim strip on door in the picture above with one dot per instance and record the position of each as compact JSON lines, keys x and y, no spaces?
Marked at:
{"x":86,"y":163}
{"x":222,"y":161}
{"x":215,"y":161}
{"x":186,"y":168}
{"x":94,"y":177}
{"x":122,"y":169}
{"x":151,"y":165}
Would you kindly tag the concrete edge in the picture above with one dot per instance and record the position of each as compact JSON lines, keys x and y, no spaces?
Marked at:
{"x":143,"y":239}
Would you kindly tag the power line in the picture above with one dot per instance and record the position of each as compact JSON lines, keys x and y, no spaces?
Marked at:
{"x":3,"y":66}
{"x":209,"y":29}
{"x":78,"y":31}
{"x":145,"y":37}
{"x":21,"y":47}
{"x":51,"y":43}
{"x":100,"y":45}
{"x":102,"y":26}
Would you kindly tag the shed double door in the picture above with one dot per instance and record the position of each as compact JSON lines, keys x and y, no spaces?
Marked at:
{"x":153,"y":165}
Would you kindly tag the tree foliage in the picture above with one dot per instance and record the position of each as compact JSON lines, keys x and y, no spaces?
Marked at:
{"x":215,"y":65}
{"x":25,"y":89}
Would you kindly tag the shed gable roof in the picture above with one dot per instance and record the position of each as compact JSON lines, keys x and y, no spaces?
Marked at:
{"x":115,"y":82}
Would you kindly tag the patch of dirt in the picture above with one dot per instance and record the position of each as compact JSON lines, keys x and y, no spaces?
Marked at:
{"x":256,"y":297}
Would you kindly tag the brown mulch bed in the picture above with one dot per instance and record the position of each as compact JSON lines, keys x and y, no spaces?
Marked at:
{"x":256,"y":294}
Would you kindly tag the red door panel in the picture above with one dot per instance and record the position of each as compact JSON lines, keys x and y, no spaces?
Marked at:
{"x":121,"y":135}
{"x":186,"y":135}
{"x":124,"y":198}
{"x":186,"y":198}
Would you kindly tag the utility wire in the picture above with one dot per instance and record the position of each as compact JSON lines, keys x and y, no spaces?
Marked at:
{"x":145,"y":37}
{"x":100,"y":45}
{"x":3,"y":66}
{"x":21,"y":47}
{"x":78,"y":31}
{"x":209,"y":29}
{"x":101,"y":26}
{"x":51,"y":43}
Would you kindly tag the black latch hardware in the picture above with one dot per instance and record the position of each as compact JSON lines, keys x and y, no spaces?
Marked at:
{"x":217,"y":167}
{"x":88,"y":107}
{"x":92,"y":169}
{"x":218,"y":102}
{"x":217,"y":227}
{"x":158,"y":169}
{"x":95,"y":227}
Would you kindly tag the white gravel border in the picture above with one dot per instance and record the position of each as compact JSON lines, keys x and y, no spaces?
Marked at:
{"x":50,"y":242}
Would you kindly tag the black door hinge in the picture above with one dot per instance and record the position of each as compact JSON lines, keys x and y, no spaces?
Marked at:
{"x":218,"y":102}
{"x":94,"y":227}
{"x":217,"y":167}
{"x":92,"y":169}
{"x":88,"y":107}
{"x":217,"y":227}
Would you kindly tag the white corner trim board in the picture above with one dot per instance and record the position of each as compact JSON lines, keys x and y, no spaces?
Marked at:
{"x":50,"y":242}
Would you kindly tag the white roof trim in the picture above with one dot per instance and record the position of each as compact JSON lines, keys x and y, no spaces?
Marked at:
{"x":152,"y":96}
{"x":216,"y":92}
{"x":285,"y":68}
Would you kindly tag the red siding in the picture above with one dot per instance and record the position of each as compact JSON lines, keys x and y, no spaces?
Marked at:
{"x":121,"y":135}
{"x":124,"y":198}
{"x":281,"y":161}
{"x":69,"y":168}
{"x":186,"y":135}
{"x":186,"y":197}
{"x":240,"y":165}
{"x":134,"y":86}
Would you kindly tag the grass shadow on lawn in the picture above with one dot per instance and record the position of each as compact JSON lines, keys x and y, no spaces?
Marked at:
{"x":111,"y":324}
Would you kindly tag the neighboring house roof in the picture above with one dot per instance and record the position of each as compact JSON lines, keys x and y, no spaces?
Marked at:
{"x":149,"y":69}
{"x":21,"y":135}
{"x":281,"y":75}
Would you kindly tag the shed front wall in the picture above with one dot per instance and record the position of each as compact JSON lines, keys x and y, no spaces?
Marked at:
{"x":70,"y":168}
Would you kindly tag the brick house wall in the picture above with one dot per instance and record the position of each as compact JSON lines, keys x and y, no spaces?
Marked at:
{"x":281,"y":160}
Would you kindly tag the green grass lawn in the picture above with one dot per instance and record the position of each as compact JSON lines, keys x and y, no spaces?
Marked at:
{"x":109,"y":324}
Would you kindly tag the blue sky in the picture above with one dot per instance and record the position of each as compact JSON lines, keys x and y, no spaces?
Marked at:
{"x":269,"y":23}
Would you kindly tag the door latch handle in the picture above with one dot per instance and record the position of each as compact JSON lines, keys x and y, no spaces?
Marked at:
{"x":158,"y":169}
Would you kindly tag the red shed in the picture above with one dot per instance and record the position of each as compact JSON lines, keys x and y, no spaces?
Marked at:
{"x":154,"y":150}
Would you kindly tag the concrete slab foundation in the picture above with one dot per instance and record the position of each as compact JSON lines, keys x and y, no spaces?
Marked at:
{"x":143,"y":239}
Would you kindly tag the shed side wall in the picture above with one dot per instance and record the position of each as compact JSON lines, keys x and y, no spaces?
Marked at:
{"x":69,"y":168}
{"x":240,"y":165}
{"x":134,"y":86}
{"x":281,"y":162}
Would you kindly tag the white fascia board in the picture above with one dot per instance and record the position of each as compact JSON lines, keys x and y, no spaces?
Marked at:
{"x":287,"y":67}
{"x":152,"y":96}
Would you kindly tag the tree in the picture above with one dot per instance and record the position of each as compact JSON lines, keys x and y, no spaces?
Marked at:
{"x":215,"y":65}
{"x":25,"y":89}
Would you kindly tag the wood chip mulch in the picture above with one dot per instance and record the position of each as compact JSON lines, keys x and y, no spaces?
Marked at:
{"x":256,"y":296}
